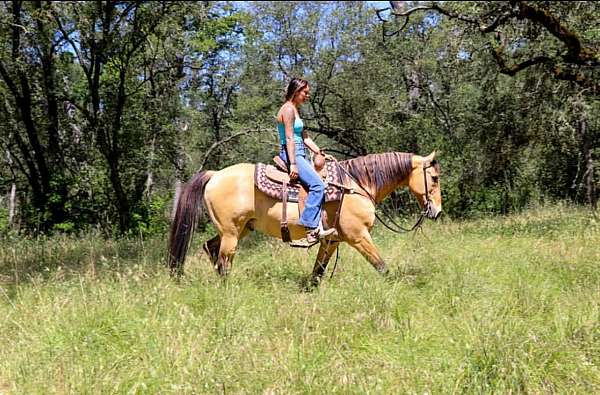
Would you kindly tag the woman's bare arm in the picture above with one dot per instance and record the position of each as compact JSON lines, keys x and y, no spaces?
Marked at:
{"x":288,"y":116}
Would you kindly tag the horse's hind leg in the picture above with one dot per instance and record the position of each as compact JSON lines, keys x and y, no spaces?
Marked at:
{"x":226,"y":253}
{"x":367,"y":248}
{"x":211,"y":247}
{"x":326,"y":250}
{"x":227,"y":246}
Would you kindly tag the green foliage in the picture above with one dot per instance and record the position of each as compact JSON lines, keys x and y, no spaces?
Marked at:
{"x":4,"y":225}
{"x":161,"y":88}
{"x":65,"y":227}
{"x":152,"y":218}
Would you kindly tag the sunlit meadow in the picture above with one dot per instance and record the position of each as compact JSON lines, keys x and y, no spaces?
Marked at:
{"x":494,"y":305}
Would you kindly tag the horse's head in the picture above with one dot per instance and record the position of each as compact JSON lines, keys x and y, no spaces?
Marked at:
{"x":424,"y":183}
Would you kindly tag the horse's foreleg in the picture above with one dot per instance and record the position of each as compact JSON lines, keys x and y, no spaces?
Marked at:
{"x":326,"y":250}
{"x":367,"y":248}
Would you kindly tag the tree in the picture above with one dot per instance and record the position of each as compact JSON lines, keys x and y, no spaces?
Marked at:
{"x":573,"y":58}
{"x":538,"y":42}
{"x":29,"y":72}
{"x":92,"y":92}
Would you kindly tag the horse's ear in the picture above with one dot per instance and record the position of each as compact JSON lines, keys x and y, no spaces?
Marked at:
{"x":428,"y":159}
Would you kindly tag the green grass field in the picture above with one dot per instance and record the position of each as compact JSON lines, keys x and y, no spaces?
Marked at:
{"x":498,"y":305}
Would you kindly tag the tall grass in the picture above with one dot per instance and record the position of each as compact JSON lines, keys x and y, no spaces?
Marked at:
{"x":498,"y":305}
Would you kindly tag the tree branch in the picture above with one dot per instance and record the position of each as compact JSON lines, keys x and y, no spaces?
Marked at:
{"x":576,"y":52}
{"x":67,"y":37}
{"x":514,"y":69}
{"x":225,"y":140}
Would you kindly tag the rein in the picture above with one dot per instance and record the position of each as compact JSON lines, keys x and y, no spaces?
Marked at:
{"x":398,"y":228}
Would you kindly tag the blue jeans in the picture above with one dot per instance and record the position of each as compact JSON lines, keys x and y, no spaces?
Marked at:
{"x":311,"y":215}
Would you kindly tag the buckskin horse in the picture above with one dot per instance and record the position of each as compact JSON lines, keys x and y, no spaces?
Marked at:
{"x":236,"y":206}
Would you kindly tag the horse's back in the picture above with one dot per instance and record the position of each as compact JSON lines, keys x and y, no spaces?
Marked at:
{"x":239,"y":169}
{"x":230,"y":192}
{"x":231,"y":182}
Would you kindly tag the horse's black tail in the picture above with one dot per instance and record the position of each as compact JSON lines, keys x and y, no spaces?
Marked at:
{"x":189,"y":205}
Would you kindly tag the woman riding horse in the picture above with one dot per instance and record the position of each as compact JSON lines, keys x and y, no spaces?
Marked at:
{"x":236,"y":207}
{"x":294,"y":140}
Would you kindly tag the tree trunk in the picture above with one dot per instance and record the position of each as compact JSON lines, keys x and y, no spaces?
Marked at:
{"x":12,"y":199}
{"x":12,"y":204}
{"x":178,"y":186}
{"x":58,"y":187}
{"x":149,"y":173}
{"x":178,"y":180}
{"x":588,"y":175}
{"x":123,"y":206}
{"x":149,"y":185}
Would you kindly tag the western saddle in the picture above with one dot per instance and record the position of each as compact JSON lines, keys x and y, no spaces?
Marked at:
{"x":275,"y":182}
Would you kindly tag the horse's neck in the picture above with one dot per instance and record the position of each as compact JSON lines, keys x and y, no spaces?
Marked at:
{"x":389,"y":170}
{"x":386,"y":190}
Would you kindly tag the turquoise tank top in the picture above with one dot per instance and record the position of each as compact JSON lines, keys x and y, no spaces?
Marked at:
{"x":298,"y":126}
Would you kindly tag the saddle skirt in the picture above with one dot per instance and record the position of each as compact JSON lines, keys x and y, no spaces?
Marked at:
{"x":269,"y":180}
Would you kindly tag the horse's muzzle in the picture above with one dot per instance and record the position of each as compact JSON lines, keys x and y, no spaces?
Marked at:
{"x":432,"y":212}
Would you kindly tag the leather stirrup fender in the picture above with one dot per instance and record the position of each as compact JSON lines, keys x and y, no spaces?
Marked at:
{"x":280,"y":164}
{"x":285,"y":231}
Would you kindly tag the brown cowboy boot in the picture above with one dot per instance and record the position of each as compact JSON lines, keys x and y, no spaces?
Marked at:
{"x":314,"y":235}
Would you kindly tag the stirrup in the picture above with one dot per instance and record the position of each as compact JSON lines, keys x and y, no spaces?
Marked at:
{"x":316,"y":235}
{"x":303,"y":243}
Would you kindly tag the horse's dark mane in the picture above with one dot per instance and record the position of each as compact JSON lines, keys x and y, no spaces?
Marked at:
{"x":379,"y":170}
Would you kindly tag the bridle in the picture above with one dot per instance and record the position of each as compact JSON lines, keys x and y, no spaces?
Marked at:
{"x":427,"y":203}
{"x":426,"y":208}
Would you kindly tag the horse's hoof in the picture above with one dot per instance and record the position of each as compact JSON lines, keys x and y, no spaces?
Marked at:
{"x":383,"y":270}
{"x":310,"y":285}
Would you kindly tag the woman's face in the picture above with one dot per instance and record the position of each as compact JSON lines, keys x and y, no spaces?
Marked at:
{"x":303,"y":94}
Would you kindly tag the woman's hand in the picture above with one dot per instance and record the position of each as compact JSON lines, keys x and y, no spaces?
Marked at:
{"x":326,"y":156}
{"x":293,"y":172}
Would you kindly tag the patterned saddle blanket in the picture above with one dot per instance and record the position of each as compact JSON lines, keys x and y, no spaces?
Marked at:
{"x":269,"y":180}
